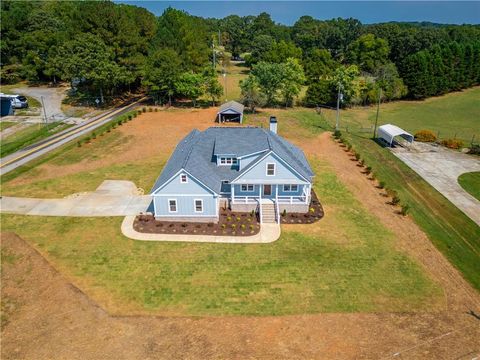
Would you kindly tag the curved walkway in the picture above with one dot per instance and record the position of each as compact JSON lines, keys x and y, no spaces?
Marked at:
{"x":441,"y":168}
{"x":268,"y":233}
{"x":111,"y":198}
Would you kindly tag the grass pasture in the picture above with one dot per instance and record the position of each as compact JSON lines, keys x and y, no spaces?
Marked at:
{"x":314,"y":269}
{"x":28,"y":136}
{"x":6,"y":124}
{"x":452,"y":115}
{"x":470,"y":182}
{"x":347,"y":262}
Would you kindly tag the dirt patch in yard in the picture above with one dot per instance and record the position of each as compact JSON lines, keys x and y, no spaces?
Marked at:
{"x":49,"y":318}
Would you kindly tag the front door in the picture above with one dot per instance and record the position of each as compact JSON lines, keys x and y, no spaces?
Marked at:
{"x":267,"y":190}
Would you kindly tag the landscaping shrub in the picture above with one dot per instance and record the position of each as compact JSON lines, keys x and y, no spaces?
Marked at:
{"x":357,"y":156}
{"x":362,"y":162}
{"x":452,"y":143}
{"x":284,"y":212}
{"x":475,"y":150}
{"x":425,"y":136}
{"x":79,"y":144}
{"x":395,"y":200}
{"x":337,"y":134}
{"x":87,"y":139}
{"x":150,"y":109}
{"x":368,"y":170}
{"x":156,"y":109}
{"x":381,"y":184}
{"x":405,"y":209}
{"x":130,"y":117}
{"x":94,"y":136}
{"x":144,"y":109}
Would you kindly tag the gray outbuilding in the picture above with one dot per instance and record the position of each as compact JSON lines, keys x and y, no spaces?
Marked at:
{"x":230,"y":111}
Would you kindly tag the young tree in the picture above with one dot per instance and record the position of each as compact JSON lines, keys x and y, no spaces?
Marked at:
{"x":212,"y":87}
{"x":292,"y":80}
{"x":344,"y":80}
{"x":162,"y":70}
{"x":269,"y":78}
{"x":251,"y":94}
{"x":190,"y":85}
{"x":368,"y":52}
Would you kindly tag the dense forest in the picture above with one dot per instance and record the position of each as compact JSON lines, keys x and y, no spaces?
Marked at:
{"x":105,"y":50}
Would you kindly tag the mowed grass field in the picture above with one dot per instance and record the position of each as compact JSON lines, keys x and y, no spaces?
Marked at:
{"x":347,"y":262}
{"x":470,"y":182}
{"x":453,"y":233}
{"x":449,"y":116}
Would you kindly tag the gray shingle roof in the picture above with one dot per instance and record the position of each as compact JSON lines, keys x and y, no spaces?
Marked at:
{"x":231,"y":105}
{"x":195,"y":154}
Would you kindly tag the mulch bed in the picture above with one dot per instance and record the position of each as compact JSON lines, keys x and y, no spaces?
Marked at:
{"x":314,"y":214}
{"x":230,"y":223}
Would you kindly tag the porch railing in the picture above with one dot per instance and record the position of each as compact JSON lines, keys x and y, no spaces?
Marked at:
{"x":245,"y":199}
{"x":293,"y":199}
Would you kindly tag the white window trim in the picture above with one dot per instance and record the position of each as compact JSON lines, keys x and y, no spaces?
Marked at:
{"x":195,"y":205}
{"x":228,"y":161}
{"x":176,"y":206}
{"x":186,"y":179}
{"x":247,"y":185}
{"x":290,"y":187}
{"x":274,"y":169}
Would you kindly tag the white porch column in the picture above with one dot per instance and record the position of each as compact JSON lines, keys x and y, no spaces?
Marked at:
{"x":233,"y":193}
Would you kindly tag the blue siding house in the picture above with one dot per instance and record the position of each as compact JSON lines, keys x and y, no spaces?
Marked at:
{"x":244,"y":168}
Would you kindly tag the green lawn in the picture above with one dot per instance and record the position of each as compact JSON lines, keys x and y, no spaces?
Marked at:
{"x":6,"y":124}
{"x":28,"y":136}
{"x":345,"y":263}
{"x":470,"y":182}
{"x":456,"y":114}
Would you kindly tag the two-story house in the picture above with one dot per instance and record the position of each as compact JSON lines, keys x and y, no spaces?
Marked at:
{"x":246,"y":168}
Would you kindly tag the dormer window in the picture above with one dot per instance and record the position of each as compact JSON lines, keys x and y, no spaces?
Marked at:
{"x":270,"y":169}
{"x":183,"y":179}
{"x":228,"y":161}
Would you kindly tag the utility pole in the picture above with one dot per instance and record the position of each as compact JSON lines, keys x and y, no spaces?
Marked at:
{"x":44,"y":111}
{"x":338,"y":109}
{"x":225,"y":82}
{"x":213,"y":51}
{"x":378,"y":110}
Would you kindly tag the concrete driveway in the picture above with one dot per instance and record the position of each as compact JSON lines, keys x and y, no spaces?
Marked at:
{"x":441,"y":167}
{"x":111,"y":198}
{"x":52,"y":98}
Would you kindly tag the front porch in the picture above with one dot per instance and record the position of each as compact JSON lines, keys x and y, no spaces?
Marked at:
{"x":270,"y":200}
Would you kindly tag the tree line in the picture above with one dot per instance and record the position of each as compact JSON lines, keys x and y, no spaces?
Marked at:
{"x":105,"y":49}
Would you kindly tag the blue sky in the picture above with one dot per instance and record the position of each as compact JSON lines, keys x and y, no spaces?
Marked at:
{"x":287,"y":12}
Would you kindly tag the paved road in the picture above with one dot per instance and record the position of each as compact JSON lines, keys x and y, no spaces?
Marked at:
{"x":441,"y":168}
{"x":111,"y":198}
{"x":21,"y":157}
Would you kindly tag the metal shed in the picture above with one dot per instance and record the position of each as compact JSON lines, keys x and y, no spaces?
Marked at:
{"x":388,"y":132}
{"x":6,"y":106}
{"x":230,"y":111}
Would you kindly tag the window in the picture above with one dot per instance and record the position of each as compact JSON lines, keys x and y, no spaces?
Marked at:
{"x":228,"y":161}
{"x":247,"y":187}
{"x":198,"y":206}
{"x":172,"y":205}
{"x":290,"y":188}
{"x":270,"y":169}
{"x":183,"y":179}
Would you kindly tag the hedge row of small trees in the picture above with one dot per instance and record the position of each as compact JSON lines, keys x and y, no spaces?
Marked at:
{"x":395,"y":199}
{"x":429,"y":136}
{"x":112,"y":125}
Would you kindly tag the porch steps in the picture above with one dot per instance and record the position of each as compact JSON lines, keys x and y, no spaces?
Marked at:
{"x":268,"y":213}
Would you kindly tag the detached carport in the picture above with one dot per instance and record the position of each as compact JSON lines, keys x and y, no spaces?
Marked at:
{"x":230,"y":111}
{"x":388,"y":132}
